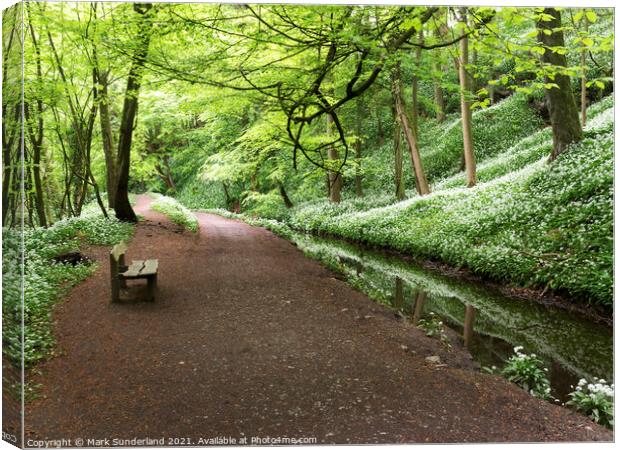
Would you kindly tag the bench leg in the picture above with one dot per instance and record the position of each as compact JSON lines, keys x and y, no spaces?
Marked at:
{"x":115,"y":290}
{"x":151,"y":283}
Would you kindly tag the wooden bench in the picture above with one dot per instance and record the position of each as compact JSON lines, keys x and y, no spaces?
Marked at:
{"x":120,"y":273}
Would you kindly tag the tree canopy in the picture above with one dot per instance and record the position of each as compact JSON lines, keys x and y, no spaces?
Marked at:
{"x":270,"y":103}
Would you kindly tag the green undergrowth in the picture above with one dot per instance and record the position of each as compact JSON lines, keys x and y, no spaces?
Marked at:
{"x":46,"y":281}
{"x":494,"y":129}
{"x":175,"y":211}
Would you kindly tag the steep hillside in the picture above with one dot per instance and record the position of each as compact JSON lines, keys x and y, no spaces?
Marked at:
{"x":527,"y":222}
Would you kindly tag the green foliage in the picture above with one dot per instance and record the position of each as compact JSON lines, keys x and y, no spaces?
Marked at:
{"x":272,"y":225}
{"x":45,"y":281}
{"x":178,"y":213}
{"x":267,"y":205}
{"x":196,"y":194}
{"x":433,"y":327}
{"x":528,"y":372}
{"x":595,"y":400}
{"x":523,"y":153}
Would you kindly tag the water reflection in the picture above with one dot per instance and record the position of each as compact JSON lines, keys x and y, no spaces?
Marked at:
{"x":468,"y":325}
{"x":490,"y":324}
{"x":420,"y":299}
{"x":399,"y":297}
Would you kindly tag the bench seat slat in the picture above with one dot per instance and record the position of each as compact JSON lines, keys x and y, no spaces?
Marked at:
{"x":150,"y":266}
{"x":141,"y":269}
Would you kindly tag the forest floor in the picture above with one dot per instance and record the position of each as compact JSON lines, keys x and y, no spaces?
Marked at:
{"x":249,"y":338}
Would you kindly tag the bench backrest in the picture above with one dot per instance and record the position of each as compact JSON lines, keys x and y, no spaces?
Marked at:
{"x":118,"y":251}
{"x":117,"y":260}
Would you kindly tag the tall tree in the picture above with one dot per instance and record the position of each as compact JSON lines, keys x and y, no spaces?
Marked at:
{"x":398,"y":160}
{"x":436,"y":66}
{"x":440,"y":113}
{"x":122,"y":206}
{"x":83,"y":114}
{"x":285,"y":198}
{"x":358,"y":148}
{"x":334,"y":176}
{"x":101,"y":77}
{"x":33,"y":121}
{"x":560,"y":100}
{"x":414,"y":86}
{"x":410,"y":137}
{"x":584,"y":78}
{"x":466,"y":115}
{"x":11,"y":111}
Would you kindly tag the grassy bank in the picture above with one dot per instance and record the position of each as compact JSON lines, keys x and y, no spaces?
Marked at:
{"x":45,"y":281}
{"x":175,"y":211}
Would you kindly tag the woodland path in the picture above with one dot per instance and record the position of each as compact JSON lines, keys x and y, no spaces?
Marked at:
{"x":247,"y":337}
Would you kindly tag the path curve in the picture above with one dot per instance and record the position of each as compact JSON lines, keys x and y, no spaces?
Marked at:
{"x":249,"y":338}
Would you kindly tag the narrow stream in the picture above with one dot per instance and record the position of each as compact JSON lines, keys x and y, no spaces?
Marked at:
{"x":489,"y":323}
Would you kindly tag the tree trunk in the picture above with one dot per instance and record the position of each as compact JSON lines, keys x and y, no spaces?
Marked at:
{"x":107,"y":137}
{"x":440,"y":107}
{"x":335,"y":177}
{"x":163,"y":169}
{"x":380,"y":130}
{"x":11,"y":110}
{"x":468,"y":325}
{"x":465,"y":82}
{"x":398,"y":161}
{"x":226,"y":196}
{"x":584,"y":80}
{"x":359,"y":192}
{"x":80,"y":135}
{"x":93,"y":183}
{"x":412,"y":143}
{"x":491,"y":87}
{"x":9,"y":137}
{"x":122,"y":207}
{"x":358,"y":149}
{"x":399,"y":294}
{"x":105,"y":122}
{"x":419,"y":307}
{"x":38,"y":186}
{"x":414,"y":89}
{"x":36,"y":134}
{"x":287,"y":201}
{"x":560,"y":100}
{"x":473,"y":81}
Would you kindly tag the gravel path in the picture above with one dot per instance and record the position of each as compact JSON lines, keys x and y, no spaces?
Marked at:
{"x":249,"y":339}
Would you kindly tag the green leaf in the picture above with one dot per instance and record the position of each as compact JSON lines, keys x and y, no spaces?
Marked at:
{"x":578,"y":16}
